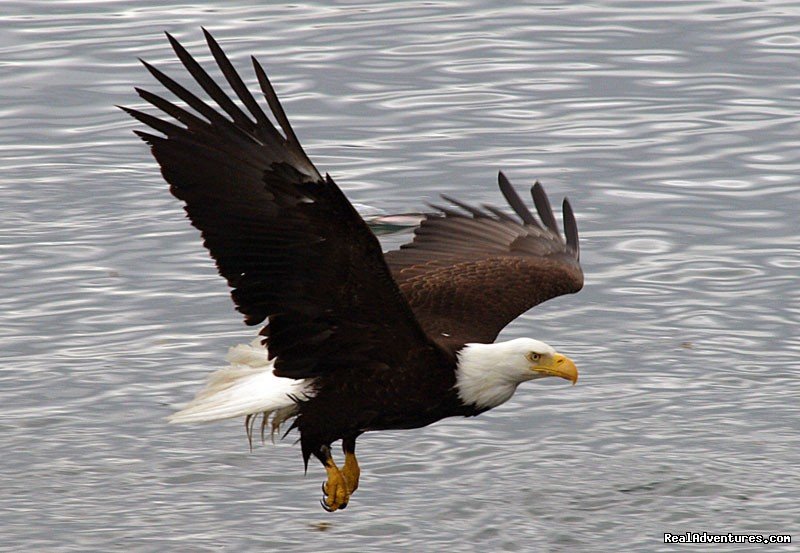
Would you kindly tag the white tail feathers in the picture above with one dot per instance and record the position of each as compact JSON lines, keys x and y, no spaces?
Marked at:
{"x":246,"y":387}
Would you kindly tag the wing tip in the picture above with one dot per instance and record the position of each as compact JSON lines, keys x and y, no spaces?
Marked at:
{"x":571,"y":228}
{"x":544,"y":210}
{"x":542,"y":203}
{"x":514,"y":200}
{"x":502,"y":179}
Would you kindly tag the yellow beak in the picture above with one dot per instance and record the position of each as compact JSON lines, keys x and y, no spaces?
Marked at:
{"x":558,"y":365}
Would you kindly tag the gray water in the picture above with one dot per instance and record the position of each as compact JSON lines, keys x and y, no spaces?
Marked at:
{"x":674,"y":127}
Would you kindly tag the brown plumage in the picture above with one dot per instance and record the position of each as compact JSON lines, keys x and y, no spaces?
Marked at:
{"x":468,"y":274}
{"x":375,"y":339}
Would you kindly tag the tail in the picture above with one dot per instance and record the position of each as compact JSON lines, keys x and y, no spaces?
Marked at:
{"x":246,"y":387}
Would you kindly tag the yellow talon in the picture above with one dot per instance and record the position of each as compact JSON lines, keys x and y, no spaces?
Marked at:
{"x":336,"y":490}
{"x":351,"y":472}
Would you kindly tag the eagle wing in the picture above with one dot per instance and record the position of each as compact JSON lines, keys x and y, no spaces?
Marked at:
{"x":287,"y":240}
{"x":469,"y":273}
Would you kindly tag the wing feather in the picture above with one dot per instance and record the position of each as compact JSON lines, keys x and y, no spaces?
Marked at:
{"x":237,"y":84}
{"x":290,"y":245}
{"x":208,"y":84}
{"x":571,"y":228}
{"x":515,"y":201}
{"x":543,"y":207}
{"x":467,"y":274}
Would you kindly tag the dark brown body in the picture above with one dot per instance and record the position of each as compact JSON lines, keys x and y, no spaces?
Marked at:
{"x":352,"y":401}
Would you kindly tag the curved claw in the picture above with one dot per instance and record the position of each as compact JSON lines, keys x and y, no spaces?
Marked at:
{"x":325,"y":505}
{"x":335,"y":491}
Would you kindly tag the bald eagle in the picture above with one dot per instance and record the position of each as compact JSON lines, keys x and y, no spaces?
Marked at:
{"x":355,"y":340}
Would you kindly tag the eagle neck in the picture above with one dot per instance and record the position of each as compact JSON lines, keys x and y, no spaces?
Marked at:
{"x":482,"y":377}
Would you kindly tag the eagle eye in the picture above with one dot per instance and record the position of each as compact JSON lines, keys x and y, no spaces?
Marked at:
{"x":533,"y":356}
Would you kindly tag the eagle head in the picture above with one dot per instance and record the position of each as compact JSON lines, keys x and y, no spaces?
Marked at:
{"x":488,"y":374}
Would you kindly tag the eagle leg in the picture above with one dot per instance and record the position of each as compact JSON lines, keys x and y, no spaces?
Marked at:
{"x":350,"y":470}
{"x":336,"y":491}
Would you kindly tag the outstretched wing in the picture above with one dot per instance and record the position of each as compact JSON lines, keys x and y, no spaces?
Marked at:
{"x":467,"y":274}
{"x":286,"y":239}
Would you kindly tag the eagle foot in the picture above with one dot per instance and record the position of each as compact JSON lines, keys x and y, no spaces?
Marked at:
{"x":351,"y":472}
{"x":336,"y":491}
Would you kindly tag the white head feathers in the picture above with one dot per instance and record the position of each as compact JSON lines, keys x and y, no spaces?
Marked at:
{"x":488,"y":374}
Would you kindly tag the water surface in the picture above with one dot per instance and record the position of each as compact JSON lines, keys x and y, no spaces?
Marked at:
{"x":672,"y":126}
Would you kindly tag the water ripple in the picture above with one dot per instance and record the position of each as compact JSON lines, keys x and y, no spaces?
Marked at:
{"x":673,"y":128}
